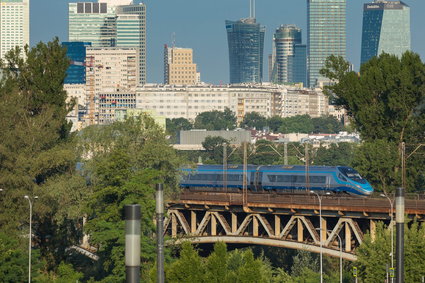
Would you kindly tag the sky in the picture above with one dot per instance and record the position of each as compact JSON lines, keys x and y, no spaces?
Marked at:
{"x":199,"y":24}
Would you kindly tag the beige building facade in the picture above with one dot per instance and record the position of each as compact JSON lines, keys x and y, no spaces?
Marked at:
{"x":179,"y":68}
{"x":176,"y":101}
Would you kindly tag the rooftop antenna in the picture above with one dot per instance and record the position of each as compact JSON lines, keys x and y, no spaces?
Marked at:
{"x":252,"y":9}
{"x":173,"y":39}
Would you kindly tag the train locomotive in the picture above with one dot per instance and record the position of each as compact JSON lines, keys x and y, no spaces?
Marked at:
{"x":279,"y":178}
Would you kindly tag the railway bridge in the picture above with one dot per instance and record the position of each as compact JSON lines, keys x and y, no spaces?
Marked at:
{"x":281,"y":220}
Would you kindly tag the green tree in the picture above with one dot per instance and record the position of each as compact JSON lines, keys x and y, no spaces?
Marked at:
{"x":373,"y":254}
{"x":253,"y":120}
{"x":216,"y":120}
{"x":188,"y":268}
{"x":275,"y":123}
{"x":336,"y":154}
{"x":13,"y":260}
{"x":297,"y":124}
{"x":175,"y":125}
{"x":385,"y":103}
{"x":127,"y":159}
{"x":327,"y":125}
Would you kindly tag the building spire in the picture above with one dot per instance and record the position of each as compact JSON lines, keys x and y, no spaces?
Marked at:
{"x":252,"y":9}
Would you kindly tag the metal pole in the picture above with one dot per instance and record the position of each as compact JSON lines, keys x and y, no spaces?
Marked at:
{"x":285,"y":153}
{"x":132,"y":243}
{"x":245,"y":169}
{"x":392,"y":233}
{"x":320,"y":235}
{"x":399,"y":214}
{"x":225,"y":167}
{"x":340,"y":258}
{"x":160,"y":232}
{"x":29,"y":240}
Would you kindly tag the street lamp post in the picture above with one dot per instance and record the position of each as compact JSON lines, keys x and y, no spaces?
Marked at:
{"x":30,"y":237}
{"x":392,"y":233}
{"x":340,"y":255}
{"x":320,"y":234}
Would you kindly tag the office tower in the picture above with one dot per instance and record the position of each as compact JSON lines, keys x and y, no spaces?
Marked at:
{"x":111,"y":23}
{"x":246,"y":43}
{"x":76,"y":52}
{"x":326,"y":34}
{"x":179,"y":67}
{"x":289,"y":61}
{"x":92,"y":22}
{"x":14,"y":26}
{"x":386,"y":28}
{"x":131,"y":32}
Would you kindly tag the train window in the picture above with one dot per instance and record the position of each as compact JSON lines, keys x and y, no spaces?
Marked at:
{"x":272,"y":178}
{"x":233,"y":177}
{"x":298,"y":179}
{"x":342,"y":177}
{"x":318,"y":179}
{"x":352,"y":174}
{"x":284,"y":178}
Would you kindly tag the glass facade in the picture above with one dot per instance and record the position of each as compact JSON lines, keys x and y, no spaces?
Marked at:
{"x":288,"y":65}
{"x":386,"y":28}
{"x":76,"y":52}
{"x":107,"y":25}
{"x":246,"y":44}
{"x":326,"y":34}
{"x":131,"y":32}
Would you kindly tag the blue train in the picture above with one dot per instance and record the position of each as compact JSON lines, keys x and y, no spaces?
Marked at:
{"x":286,"y":178}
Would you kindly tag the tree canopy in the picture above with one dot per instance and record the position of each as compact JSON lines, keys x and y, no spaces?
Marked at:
{"x":216,"y":120}
{"x":386,"y":104}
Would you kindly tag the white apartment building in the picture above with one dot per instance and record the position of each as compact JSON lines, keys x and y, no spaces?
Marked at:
{"x":14,"y":25}
{"x":174,"y":101}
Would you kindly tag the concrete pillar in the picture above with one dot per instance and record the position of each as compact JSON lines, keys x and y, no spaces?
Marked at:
{"x":372,"y":230}
{"x":255,"y":226}
{"x":324,"y":229}
{"x":300,"y":230}
{"x":173,"y":226}
{"x":213,"y":225}
{"x":277,"y":225}
{"x":193,"y":222}
{"x":234,"y":223}
{"x":347,"y":238}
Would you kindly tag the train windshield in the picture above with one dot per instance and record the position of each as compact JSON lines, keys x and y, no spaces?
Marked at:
{"x":352,"y":174}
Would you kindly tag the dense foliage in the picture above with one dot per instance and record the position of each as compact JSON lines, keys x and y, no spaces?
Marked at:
{"x":374,"y":255}
{"x":386,"y":105}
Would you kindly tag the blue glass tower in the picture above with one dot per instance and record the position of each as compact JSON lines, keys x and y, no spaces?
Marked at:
{"x":326,"y":34}
{"x":246,"y":44}
{"x":386,"y":28}
{"x":76,"y":52}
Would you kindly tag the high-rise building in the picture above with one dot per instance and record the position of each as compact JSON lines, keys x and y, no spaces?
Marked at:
{"x":386,"y":28}
{"x":246,"y":44}
{"x":289,"y":58}
{"x":326,"y":34}
{"x":14,"y":25}
{"x":76,"y":52}
{"x":111,"y":23}
{"x":179,"y":67}
{"x":131,"y":32}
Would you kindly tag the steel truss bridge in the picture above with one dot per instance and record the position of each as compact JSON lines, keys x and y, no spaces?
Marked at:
{"x":281,"y":220}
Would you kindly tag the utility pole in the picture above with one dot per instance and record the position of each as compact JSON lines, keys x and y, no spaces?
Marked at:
{"x":245,"y":169}
{"x":307,"y":161}
{"x":225,"y":167}
{"x":160,"y":233}
{"x":285,"y":153}
{"x":399,"y":218}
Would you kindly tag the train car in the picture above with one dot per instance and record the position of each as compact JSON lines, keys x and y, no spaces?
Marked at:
{"x":286,"y":178}
{"x":211,"y":176}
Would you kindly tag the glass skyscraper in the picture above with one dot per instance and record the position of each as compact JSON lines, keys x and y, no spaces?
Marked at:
{"x":14,"y":25}
{"x":386,"y":28}
{"x":76,"y":52}
{"x":109,"y":23}
{"x":326,"y":34}
{"x":246,"y":44}
{"x":289,"y":55}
